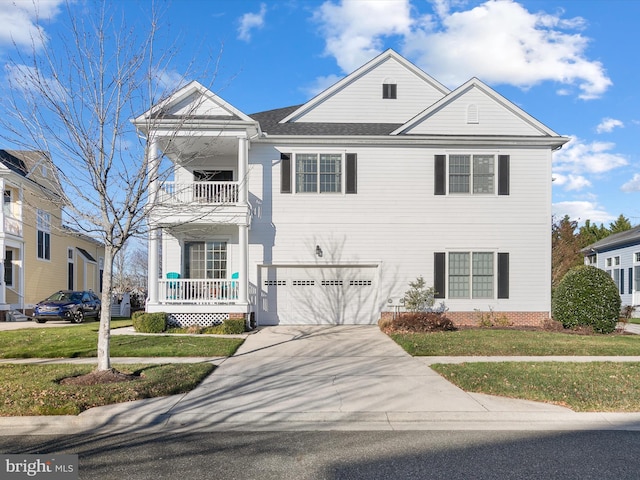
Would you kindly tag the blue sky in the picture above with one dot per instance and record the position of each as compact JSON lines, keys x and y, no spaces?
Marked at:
{"x":572,"y":64}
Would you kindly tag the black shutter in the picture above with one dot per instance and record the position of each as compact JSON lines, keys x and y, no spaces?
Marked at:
{"x":440,"y":175}
{"x":285,"y":173}
{"x":630,"y":287}
{"x":439,"y":274}
{"x":622,"y":281}
{"x":503,"y":275}
{"x":503,"y":174}
{"x":352,"y":173}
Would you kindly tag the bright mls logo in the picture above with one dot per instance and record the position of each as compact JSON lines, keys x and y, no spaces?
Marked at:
{"x":55,"y":467}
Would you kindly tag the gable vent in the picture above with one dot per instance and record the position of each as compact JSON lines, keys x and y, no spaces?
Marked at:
{"x":472,"y":113}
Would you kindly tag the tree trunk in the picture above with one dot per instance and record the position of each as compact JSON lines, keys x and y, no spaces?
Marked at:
{"x":104,"y":333}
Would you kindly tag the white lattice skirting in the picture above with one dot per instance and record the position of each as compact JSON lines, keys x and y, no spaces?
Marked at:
{"x":184,"y":320}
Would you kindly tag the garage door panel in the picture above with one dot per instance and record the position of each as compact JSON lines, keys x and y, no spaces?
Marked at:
{"x":318,"y":295}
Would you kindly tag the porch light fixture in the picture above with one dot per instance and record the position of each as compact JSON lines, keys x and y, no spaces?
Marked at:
{"x":318,"y":251}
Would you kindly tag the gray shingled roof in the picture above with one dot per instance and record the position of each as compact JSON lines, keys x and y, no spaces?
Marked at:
{"x":628,"y":237}
{"x":13,"y":162}
{"x":269,"y":124}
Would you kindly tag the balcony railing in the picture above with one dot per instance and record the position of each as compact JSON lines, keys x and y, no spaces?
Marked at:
{"x":198,"y":291}
{"x":199,"y":192}
{"x":12,"y":226}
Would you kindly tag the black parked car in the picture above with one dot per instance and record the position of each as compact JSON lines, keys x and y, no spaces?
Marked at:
{"x":68,"y":305}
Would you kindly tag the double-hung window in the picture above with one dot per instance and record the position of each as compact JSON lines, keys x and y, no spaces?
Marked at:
{"x":43,"y":225}
{"x":318,"y":173}
{"x":473,"y":174}
{"x":471,"y":275}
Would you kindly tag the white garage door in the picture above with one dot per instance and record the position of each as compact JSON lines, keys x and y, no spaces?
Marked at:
{"x":328,"y":295}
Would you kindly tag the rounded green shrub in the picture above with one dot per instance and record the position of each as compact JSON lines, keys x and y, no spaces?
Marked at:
{"x":150,"y":322}
{"x":587,"y":296}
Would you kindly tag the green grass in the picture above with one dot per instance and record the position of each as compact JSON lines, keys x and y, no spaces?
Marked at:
{"x":583,"y":387}
{"x":635,"y":320}
{"x":35,"y":389}
{"x":494,"y":342}
{"x":81,"y":341}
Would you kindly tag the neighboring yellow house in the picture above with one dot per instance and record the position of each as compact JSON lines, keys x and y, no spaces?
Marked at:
{"x":41,"y":255}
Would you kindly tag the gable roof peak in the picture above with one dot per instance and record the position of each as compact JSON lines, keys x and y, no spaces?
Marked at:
{"x":361,"y":71}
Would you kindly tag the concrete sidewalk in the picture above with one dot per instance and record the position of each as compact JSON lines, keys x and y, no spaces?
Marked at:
{"x":326,"y":378}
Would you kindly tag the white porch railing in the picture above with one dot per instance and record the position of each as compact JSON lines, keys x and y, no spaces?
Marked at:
{"x":199,"y":192}
{"x":12,"y":225}
{"x":198,"y":291}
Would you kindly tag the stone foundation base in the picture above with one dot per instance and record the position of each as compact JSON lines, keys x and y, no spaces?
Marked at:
{"x":487,"y":319}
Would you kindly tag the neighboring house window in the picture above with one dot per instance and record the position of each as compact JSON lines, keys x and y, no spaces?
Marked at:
{"x":636,"y":275}
{"x":591,"y":260}
{"x":206,"y":260}
{"x":43,"y":225}
{"x":616,"y":277}
{"x":389,"y":90}
{"x":616,"y":260}
{"x":637,"y":255}
{"x":7,"y":202}
{"x":609,"y":262}
{"x":70,"y":265}
{"x":318,"y":173}
{"x":8,"y":268}
{"x":471,"y":174}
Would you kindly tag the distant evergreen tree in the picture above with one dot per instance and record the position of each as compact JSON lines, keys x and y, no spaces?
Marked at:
{"x":622,"y":224}
{"x":590,"y":233}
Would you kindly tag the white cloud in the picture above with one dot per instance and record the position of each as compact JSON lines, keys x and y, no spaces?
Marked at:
{"x":498,"y":41}
{"x":632,"y":185}
{"x":608,"y":124}
{"x":354,"y":29}
{"x":19,"y":20}
{"x":32,"y":83}
{"x":169,"y":80}
{"x":581,"y":211}
{"x":570,"y":182}
{"x":578,"y":157}
{"x":251,"y":21}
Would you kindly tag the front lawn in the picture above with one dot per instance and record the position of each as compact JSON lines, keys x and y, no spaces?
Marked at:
{"x":583,"y":387}
{"x":495,"y":342}
{"x":36,"y":389}
{"x":82,"y":340}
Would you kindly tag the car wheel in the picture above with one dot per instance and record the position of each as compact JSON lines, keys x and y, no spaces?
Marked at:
{"x":78,"y":317}
{"x":40,"y":320}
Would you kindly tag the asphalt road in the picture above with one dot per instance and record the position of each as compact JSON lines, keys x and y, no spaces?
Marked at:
{"x":346,"y":455}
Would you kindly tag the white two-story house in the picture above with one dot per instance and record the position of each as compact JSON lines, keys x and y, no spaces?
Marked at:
{"x":322,"y":213}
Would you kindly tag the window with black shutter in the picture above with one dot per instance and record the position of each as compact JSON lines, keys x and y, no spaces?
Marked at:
{"x":352,"y":173}
{"x":285,"y":173}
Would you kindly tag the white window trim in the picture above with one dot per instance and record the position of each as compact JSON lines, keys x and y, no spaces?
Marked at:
{"x":343,"y":171}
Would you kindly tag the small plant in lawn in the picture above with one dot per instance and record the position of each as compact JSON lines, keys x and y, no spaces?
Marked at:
{"x":413,"y":322}
{"x":587,"y":296}
{"x":491,"y":319}
{"x":419,"y":297}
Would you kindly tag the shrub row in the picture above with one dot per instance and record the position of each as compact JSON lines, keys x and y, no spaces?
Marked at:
{"x":416,"y":322}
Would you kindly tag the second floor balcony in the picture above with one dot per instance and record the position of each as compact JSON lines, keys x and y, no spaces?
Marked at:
{"x":212,"y":193}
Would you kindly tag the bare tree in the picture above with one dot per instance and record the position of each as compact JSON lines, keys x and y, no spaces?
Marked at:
{"x":76,"y":102}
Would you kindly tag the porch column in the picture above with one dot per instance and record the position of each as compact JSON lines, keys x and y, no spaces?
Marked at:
{"x":3,"y":286}
{"x":153,"y":270}
{"x":243,"y":167}
{"x":243,"y":270}
{"x":3,"y":292}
